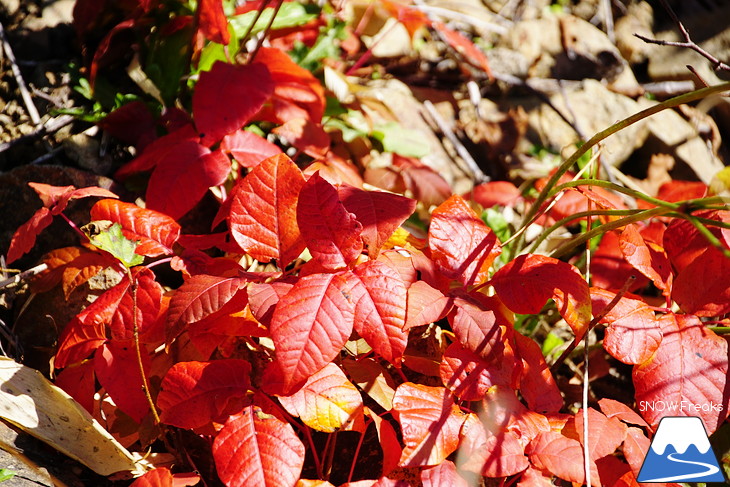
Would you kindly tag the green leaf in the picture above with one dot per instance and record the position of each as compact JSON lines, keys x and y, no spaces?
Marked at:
{"x":111,"y":239}
{"x":395,"y":138}
{"x":495,"y":220}
{"x":290,"y":14}
{"x":6,"y":474}
{"x":552,"y":341}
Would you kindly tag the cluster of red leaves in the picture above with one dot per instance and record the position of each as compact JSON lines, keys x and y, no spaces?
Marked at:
{"x":354,"y":322}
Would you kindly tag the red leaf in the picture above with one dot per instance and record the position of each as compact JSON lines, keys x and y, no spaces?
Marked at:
{"x":609,"y":269}
{"x":701,"y":287}
{"x":478,"y":328}
{"x":227,"y":97}
{"x":430,"y":422}
{"x":633,"y":333}
{"x":615,"y":409}
{"x":296,"y":93}
{"x":310,"y":325}
{"x":78,"y":341}
{"x":72,"y":267}
{"x":537,"y":383}
{"x":182,"y":178}
{"x":605,"y":435}
{"x":493,"y":193}
{"x":159,"y":477}
{"x":157,"y":151}
{"x":79,"y":383}
{"x":525,"y":283}
{"x":425,"y":305}
{"x":472,"y":54}
{"x":263,"y":212}
{"x":441,"y":475}
{"x":373,"y":379}
{"x":264,"y":296}
{"x":331,"y":232}
{"x":379,"y":213}
{"x":305,"y":135}
{"x":327,"y":402}
{"x":461,"y":244}
{"x":24,"y":237}
{"x":147,"y":302}
{"x":57,"y":197}
{"x":196,"y":393}
{"x":248,"y":148}
{"x":132,"y":123}
{"x":427,"y":186}
{"x":561,"y":456}
{"x":647,"y":257}
{"x":502,"y":412}
{"x":117,"y":369}
{"x":687,"y":374}
{"x":199,"y":297}
{"x":212,"y":21}
{"x":154,"y":232}
{"x":254,"y":448}
{"x":388,"y":439}
{"x":469,"y":376}
{"x":490,"y":453}
{"x":379,"y":297}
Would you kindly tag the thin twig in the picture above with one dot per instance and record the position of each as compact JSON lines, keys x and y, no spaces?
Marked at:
{"x":472,"y":166}
{"x":688,"y":42}
{"x":51,"y":126}
{"x":24,"y":93}
{"x":461,"y":17}
{"x":265,"y":33}
{"x":17,"y":279}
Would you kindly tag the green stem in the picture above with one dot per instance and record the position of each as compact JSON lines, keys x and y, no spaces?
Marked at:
{"x":709,"y":236}
{"x":560,"y":223}
{"x":615,"y":187}
{"x":606,"y":227}
{"x":563,"y":168}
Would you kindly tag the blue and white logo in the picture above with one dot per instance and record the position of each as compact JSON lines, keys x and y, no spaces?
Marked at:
{"x":680,"y":452}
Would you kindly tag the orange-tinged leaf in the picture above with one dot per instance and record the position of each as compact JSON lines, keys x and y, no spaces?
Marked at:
{"x":24,"y":237}
{"x":701,"y":288}
{"x":461,"y":244}
{"x":227,"y":97}
{"x":379,"y":213}
{"x":78,"y":341}
{"x":72,"y":267}
{"x":196,"y":393}
{"x":154,"y":232}
{"x":305,"y":135}
{"x":488,"y":453}
{"x":198,"y":297}
{"x":426,"y":304}
{"x":469,"y":376}
{"x":537,"y":383}
{"x":525,"y":283}
{"x":478,"y":328}
{"x":255,"y":448}
{"x":430,"y":423}
{"x":248,"y":148}
{"x":264,"y":296}
{"x":159,"y":477}
{"x":502,"y":411}
{"x":442,"y":474}
{"x":373,"y":379}
{"x":212,"y":21}
{"x":389,"y":443}
{"x":609,"y":269}
{"x":615,"y":409}
{"x":116,"y":367}
{"x":327,"y":402}
{"x":605,"y":435}
{"x":689,"y":369}
{"x":310,"y":325}
{"x":633,"y":333}
{"x":647,"y":257}
{"x":331,"y":232}
{"x":561,"y":456}
{"x":533,"y":477}
{"x":263,"y":212}
{"x":379,"y":297}
{"x":493,"y":193}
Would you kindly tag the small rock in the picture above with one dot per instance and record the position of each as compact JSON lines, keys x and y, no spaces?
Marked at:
{"x":595,"y":108}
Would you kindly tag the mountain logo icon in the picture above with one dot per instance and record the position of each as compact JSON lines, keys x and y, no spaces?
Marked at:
{"x":680,"y":452}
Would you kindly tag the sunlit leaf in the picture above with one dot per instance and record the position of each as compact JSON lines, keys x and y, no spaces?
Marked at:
{"x":195,"y":393}
{"x":430,"y":423}
{"x":255,"y":448}
{"x":117,"y":368}
{"x":327,"y":402}
{"x":461,"y":244}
